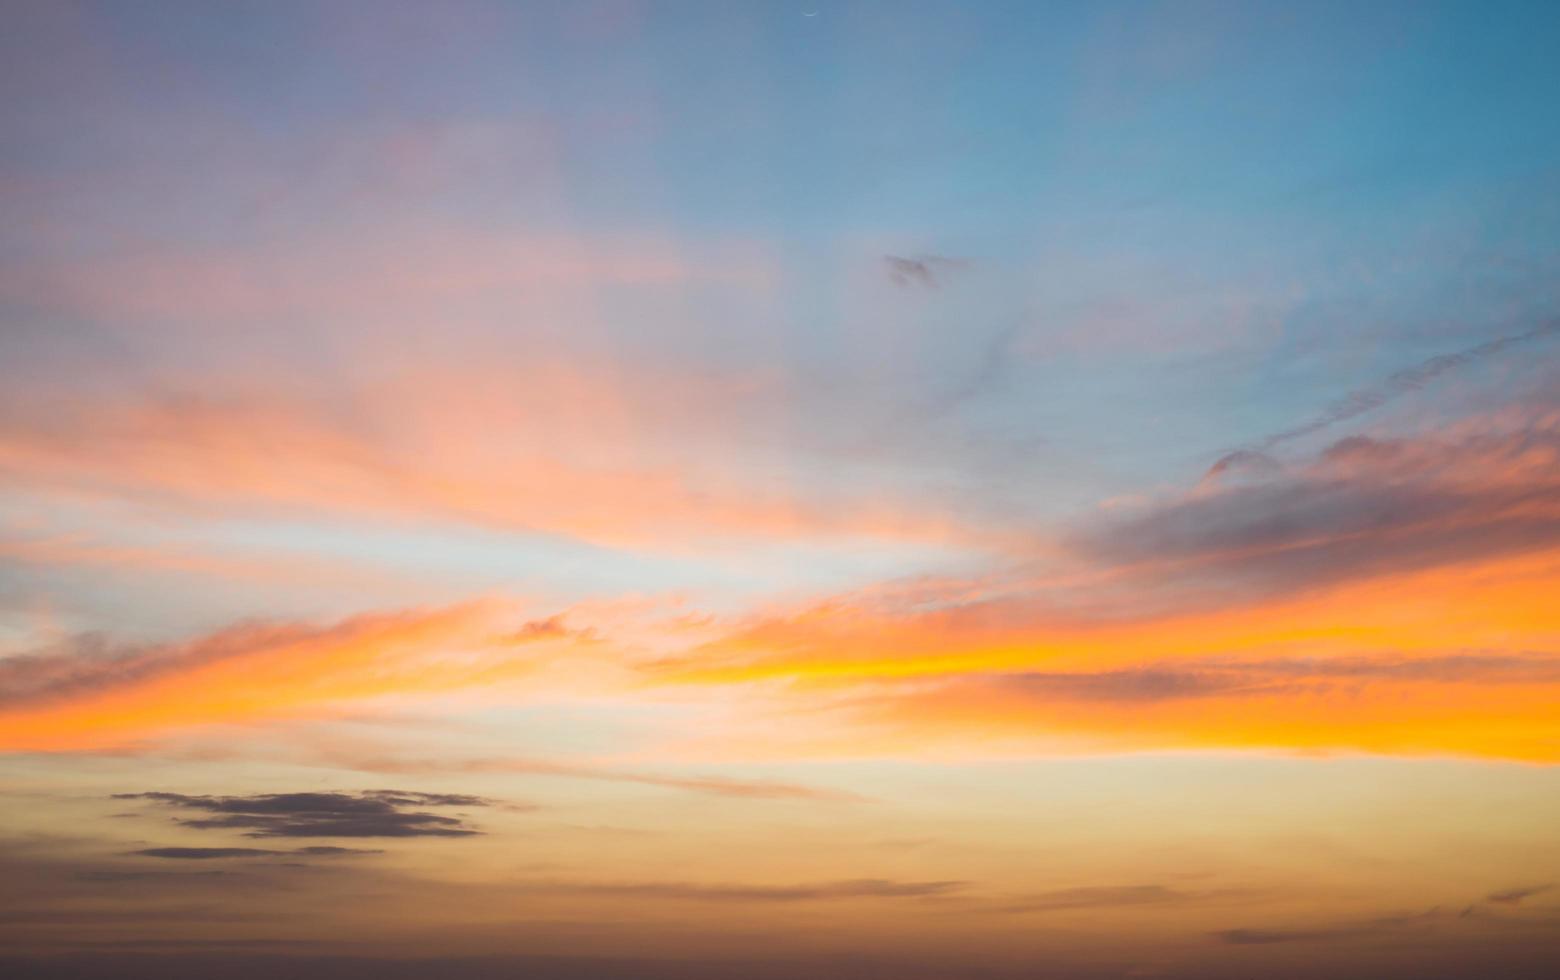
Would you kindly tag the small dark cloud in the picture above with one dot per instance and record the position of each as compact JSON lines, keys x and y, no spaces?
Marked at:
{"x":1267,"y":937}
{"x":90,"y":916}
{"x":206,"y":853}
{"x":927,"y":271}
{"x":551,"y":628}
{"x":1102,"y":897}
{"x":184,"y":944}
{"x":374,"y":813}
{"x":1242,"y":462}
{"x":1515,"y":896}
{"x":1340,"y":931}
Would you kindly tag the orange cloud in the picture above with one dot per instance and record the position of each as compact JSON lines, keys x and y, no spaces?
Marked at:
{"x":1387,"y":597}
{"x":94,"y":698}
{"x":1450,"y":661}
{"x":1380,"y":599}
{"x":1492,"y":705}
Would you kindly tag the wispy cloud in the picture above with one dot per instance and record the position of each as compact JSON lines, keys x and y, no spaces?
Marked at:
{"x":682,"y":891}
{"x":1516,"y":896}
{"x":1341,"y":931}
{"x":1362,"y":507}
{"x":1099,"y":897}
{"x":92,"y":695}
{"x":1276,"y":677}
{"x":87,"y":664}
{"x":727,"y":786}
{"x":1404,"y":382}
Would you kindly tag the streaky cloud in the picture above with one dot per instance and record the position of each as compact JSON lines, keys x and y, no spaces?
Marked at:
{"x":1404,"y":382}
{"x":1515,"y":896}
{"x":683,"y":891}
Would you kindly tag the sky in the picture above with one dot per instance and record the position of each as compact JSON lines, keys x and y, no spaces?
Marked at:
{"x":640,"y":489}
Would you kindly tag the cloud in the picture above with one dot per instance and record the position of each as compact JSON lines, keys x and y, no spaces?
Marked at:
{"x":205,"y":853}
{"x":102,"y":876}
{"x":208,"y":853}
{"x":551,"y":628}
{"x":1363,"y":400}
{"x":1362,"y":507}
{"x":1386,"y":596}
{"x":927,"y":271}
{"x":853,"y":888}
{"x":375,"y":813}
{"x":88,"y":663}
{"x":1347,"y":930}
{"x":1480,"y":704}
{"x":1099,"y":897}
{"x":754,"y":789}
{"x":1515,"y":896}
{"x":1247,"y":462}
{"x":93,"y":697}
{"x":1278,"y":676}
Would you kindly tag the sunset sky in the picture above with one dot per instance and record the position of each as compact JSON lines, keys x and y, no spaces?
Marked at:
{"x":715,"y":490}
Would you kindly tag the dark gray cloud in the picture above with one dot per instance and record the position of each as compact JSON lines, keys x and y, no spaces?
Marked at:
{"x":1341,"y":931}
{"x":1267,"y":937}
{"x":208,"y":853}
{"x":1100,"y":897}
{"x":374,"y":813}
{"x":1515,"y":896}
{"x":205,"y":853}
{"x":927,"y":271}
{"x":854,"y":888}
{"x":88,"y":916}
{"x":1357,"y":403}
